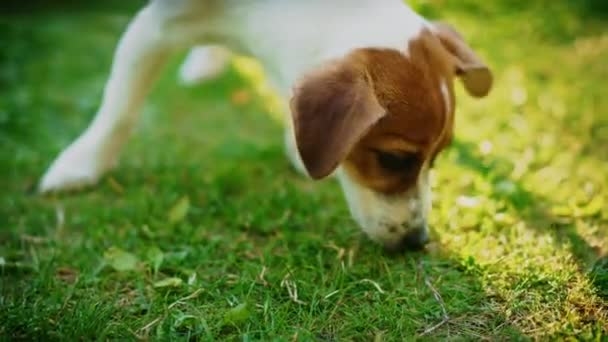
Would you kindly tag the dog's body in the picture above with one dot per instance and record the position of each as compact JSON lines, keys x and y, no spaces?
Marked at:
{"x":370,"y":85}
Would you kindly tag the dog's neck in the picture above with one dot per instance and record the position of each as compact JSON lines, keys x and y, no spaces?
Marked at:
{"x":290,"y":38}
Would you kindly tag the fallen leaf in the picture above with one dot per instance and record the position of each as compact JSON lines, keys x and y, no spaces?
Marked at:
{"x":468,"y":202}
{"x":69,"y":275}
{"x":155,"y":257}
{"x":593,"y":208}
{"x":34,"y":239}
{"x":485,"y":147}
{"x":505,"y":188}
{"x":117,"y":187}
{"x":169,"y":282}
{"x":186,"y":322}
{"x":519,"y":96}
{"x":179,"y":210}
{"x":120,"y":260}
{"x":147,"y":232}
{"x":17,"y":266}
{"x":562,"y":211}
{"x":176,"y":257}
{"x":237,"y":314}
{"x":192,"y":279}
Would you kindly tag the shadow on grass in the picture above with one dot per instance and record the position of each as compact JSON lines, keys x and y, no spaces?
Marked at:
{"x":532,"y":208}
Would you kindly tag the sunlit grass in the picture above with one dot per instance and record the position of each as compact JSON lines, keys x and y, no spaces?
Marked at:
{"x":519,"y":221}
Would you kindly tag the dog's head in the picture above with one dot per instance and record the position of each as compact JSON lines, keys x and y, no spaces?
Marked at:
{"x":381,"y":116}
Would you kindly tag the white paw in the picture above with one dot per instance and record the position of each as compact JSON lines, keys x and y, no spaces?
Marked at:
{"x":75,"y":168}
{"x":202,"y":64}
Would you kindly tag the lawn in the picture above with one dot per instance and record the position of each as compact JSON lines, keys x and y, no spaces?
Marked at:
{"x":205,"y":232}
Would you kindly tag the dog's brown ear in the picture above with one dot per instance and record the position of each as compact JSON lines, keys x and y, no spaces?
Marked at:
{"x":475,"y":74}
{"x":332,"y":108}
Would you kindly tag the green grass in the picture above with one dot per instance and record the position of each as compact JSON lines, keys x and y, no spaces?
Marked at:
{"x":204,"y":194}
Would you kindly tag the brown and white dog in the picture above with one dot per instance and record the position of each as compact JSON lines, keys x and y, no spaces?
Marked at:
{"x":369,"y":82}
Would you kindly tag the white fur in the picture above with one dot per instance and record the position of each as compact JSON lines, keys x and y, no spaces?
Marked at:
{"x":137,"y":62}
{"x":387,"y":219}
{"x":288,"y":37}
{"x":203,"y":63}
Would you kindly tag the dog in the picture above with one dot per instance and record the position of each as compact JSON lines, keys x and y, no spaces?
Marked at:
{"x":370,"y":87}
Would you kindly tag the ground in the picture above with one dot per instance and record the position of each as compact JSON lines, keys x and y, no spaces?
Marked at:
{"x":204,"y":231}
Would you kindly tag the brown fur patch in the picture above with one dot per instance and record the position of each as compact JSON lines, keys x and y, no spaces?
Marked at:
{"x":377,"y":101}
{"x":332,"y":108}
{"x":409,"y":88}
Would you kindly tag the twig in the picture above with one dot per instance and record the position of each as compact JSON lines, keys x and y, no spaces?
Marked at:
{"x":374,"y":284}
{"x":119,"y":189}
{"x":351,"y":257}
{"x":261,"y":276}
{"x":439,"y":300}
{"x":341,"y":251}
{"x":146,"y":327}
{"x":331,"y":294}
{"x":181,"y":300}
{"x":292,"y":289}
{"x":149,"y":325}
{"x":36,"y":240}
{"x":60,"y":216}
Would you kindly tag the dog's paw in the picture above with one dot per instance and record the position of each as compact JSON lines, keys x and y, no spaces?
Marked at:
{"x":203,"y":64}
{"x":74,"y":169}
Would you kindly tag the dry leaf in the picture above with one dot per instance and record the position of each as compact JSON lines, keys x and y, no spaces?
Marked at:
{"x":120,"y":260}
{"x":179,"y":210}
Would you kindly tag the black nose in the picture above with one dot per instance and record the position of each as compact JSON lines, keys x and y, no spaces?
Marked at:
{"x":415,"y":240}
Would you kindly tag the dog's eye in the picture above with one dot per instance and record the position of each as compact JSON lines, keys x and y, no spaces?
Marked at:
{"x":397,"y":162}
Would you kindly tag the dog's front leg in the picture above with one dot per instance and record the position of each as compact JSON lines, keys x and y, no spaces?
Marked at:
{"x":142,"y":52}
